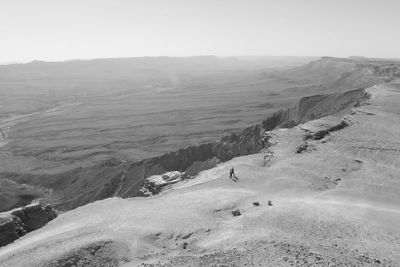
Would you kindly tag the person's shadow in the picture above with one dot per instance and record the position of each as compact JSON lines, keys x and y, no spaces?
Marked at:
{"x":234,"y":178}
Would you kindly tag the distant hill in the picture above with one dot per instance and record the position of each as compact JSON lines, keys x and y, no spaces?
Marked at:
{"x":137,"y":67}
{"x":344,"y":73}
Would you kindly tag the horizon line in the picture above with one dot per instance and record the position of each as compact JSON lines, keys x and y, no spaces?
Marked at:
{"x":194,"y":56}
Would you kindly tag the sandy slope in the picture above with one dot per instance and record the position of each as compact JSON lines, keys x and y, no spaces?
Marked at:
{"x":337,"y":204}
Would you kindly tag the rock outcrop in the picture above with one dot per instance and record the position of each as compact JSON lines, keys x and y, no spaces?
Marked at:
{"x":158,"y":183}
{"x":320,"y":128}
{"x":18,"y":222}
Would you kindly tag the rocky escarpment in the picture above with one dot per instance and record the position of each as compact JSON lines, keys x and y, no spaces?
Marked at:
{"x":80,"y":186}
{"x":314,"y":107}
{"x":388,"y":71}
{"x":336,"y":204}
{"x":18,"y":222}
{"x":330,"y":74}
{"x":113,"y":177}
{"x":194,"y":159}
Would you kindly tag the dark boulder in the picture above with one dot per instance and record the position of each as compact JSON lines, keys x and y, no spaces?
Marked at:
{"x":302,"y":148}
{"x":236,"y":213}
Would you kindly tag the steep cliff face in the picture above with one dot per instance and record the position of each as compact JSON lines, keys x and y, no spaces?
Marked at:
{"x":191,"y":160}
{"x":341,"y":74}
{"x":389,"y":71}
{"x":194,"y":159}
{"x":338,"y":195}
{"x":114,"y":178}
{"x":313,"y":107}
{"x":18,"y":222}
{"x":80,"y":186}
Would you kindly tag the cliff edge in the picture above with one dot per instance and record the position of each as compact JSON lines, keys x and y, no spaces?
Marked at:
{"x":19,"y":221}
{"x":334,"y":202}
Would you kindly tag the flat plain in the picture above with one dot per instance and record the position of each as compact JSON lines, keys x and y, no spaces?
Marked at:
{"x":53,"y":124}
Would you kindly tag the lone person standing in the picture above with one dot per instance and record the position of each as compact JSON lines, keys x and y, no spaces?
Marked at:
{"x":232,"y":173}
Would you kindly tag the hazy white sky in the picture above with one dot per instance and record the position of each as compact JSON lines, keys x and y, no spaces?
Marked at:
{"x":71,"y":29}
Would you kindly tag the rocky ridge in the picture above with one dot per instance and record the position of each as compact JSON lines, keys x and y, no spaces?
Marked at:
{"x":80,"y":186}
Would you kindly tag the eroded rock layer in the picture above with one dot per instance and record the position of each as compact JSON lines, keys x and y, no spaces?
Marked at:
{"x":18,"y":222}
{"x":80,"y":186}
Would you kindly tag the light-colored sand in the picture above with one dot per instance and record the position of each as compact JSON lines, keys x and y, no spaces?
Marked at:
{"x":336,"y":205}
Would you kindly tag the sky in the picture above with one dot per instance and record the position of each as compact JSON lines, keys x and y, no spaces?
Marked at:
{"x":54,"y":30}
